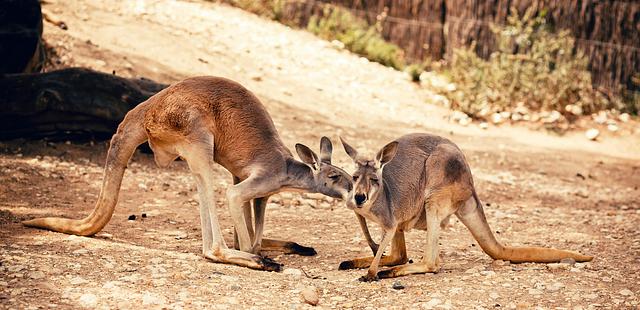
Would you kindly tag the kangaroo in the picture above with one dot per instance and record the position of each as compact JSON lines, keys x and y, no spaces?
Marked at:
{"x":206,"y":120}
{"x":418,"y":181}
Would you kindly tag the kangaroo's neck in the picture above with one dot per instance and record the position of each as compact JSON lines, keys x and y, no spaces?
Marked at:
{"x":299,"y":176}
{"x":381,"y":208}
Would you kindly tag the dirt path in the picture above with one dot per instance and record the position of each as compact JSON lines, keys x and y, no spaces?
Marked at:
{"x":564,"y":192}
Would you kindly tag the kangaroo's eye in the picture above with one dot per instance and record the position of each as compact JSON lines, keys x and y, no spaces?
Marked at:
{"x":374,"y":179}
{"x":355,"y":178}
{"x":334,"y":177}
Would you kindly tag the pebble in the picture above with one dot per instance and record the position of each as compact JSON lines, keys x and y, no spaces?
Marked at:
{"x":592,"y":134}
{"x":496,"y":118}
{"x":624,"y":117}
{"x":612,"y":127}
{"x":88,"y":300}
{"x":104,"y":235}
{"x":15,"y":268}
{"x":77,"y":281}
{"x":36,"y":275}
{"x":310,"y":295}
{"x":432,"y":303}
{"x":555,"y":287}
{"x":397,"y":285}
{"x":488,"y":273}
{"x":626,"y":292}
{"x":484,"y":125}
{"x":293,"y":272}
{"x":80,"y":251}
{"x":152,"y":299}
{"x":534,"y":291}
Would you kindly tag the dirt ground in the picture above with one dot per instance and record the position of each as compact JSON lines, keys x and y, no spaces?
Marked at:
{"x":539,"y":188}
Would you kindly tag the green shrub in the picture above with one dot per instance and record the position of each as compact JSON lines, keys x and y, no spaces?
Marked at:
{"x":271,"y":9}
{"x":357,"y":36}
{"x":532,"y":68}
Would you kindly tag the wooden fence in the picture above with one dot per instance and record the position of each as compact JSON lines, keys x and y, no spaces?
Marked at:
{"x":608,"y":32}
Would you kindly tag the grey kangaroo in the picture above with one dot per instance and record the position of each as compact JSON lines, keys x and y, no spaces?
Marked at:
{"x":418,"y":181}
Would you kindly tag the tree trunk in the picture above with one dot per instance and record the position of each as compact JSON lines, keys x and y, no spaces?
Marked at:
{"x":21,"y":47}
{"x":68,"y":104}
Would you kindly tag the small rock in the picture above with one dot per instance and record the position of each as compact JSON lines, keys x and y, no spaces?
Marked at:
{"x":88,"y":300}
{"x":496,"y":118}
{"x":80,"y":251}
{"x":624,"y":117}
{"x":15,"y":268}
{"x":555,"y":287}
{"x":152,"y":299}
{"x":516,"y":117}
{"x":293,"y":272}
{"x":432,"y":303}
{"x":626,"y":292}
{"x":534,"y":291}
{"x":36,"y":275}
{"x":601,"y":117}
{"x":104,"y":235}
{"x":465,"y":121}
{"x":488,"y":273}
{"x":592,"y":134}
{"x":612,"y":127}
{"x":484,"y":125}
{"x":77,"y":281}
{"x":338,"y":298}
{"x":568,"y":261}
{"x":310,"y":295}
{"x":500,"y":263}
{"x":256,"y":77}
{"x":397,"y":285}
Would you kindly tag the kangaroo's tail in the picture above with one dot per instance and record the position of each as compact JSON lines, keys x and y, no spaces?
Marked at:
{"x":472,"y":215}
{"x":129,"y":135}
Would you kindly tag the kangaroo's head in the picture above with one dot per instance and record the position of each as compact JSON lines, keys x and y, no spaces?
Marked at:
{"x":329,"y":179}
{"x":367,"y":179}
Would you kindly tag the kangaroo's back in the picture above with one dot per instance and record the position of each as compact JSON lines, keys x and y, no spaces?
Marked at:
{"x":241,"y":126}
{"x":423,"y":163}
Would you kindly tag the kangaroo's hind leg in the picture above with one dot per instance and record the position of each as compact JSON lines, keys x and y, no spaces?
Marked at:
{"x":199,"y":156}
{"x":438,"y":209}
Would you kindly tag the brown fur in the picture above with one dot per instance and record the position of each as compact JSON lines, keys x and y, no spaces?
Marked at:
{"x":419,"y":181}
{"x":207,"y":120}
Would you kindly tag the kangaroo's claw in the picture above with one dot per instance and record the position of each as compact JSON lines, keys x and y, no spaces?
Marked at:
{"x":269,"y":264}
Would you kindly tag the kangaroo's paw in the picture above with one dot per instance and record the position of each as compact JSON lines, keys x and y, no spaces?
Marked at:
{"x":286,"y":247}
{"x":369,"y":278}
{"x":269,"y":264}
{"x":301,"y":250}
{"x":346,"y":265}
{"x":244,"y":259}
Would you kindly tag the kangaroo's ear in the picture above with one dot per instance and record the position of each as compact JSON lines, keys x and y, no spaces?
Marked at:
{"x":326,"y":148}
{"x":386,"y":154}
{"x":349,"y":149}
{"x":308,"y":156}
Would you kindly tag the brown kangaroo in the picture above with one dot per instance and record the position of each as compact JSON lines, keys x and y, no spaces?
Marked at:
{"x":418,"y":181}
{"x":206,"y":120}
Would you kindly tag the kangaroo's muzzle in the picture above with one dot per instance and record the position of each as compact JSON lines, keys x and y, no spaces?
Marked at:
{"x":360,"y":199}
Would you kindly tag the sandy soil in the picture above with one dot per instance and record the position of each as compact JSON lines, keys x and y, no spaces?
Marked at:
{"x":540,"y":189}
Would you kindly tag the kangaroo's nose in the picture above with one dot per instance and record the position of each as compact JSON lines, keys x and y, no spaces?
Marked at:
{"x":360,"y":198}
